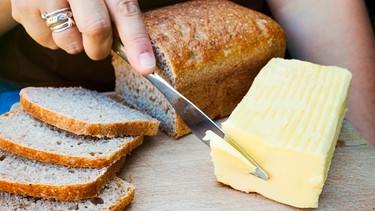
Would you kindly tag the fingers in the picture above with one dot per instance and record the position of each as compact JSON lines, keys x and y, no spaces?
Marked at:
{"x":128,"y":21}
{"x":69,"y":39}
{"x":93,"y":34}
{"x":94,"y":23}
{"x":93,"y":29}
{"x":28,"y":14}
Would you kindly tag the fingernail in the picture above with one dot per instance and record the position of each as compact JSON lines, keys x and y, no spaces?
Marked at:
{"x":146,"y":60}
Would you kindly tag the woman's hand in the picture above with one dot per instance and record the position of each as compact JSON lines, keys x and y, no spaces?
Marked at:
{"x":92,"y":29}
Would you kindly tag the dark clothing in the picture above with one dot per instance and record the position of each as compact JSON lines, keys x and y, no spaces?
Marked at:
{"x":26,"y":63}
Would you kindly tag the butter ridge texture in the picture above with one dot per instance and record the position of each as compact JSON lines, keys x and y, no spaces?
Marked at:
{"x":289,"y":122}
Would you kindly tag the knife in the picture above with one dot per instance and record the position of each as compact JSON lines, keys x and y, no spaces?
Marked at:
{"x":194,"y":118}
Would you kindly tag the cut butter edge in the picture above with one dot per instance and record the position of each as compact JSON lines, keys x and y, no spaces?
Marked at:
{"x":226,"y":152}
{"x":289,"y":122}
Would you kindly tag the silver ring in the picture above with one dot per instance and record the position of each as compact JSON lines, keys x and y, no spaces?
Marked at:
{"x":61,"y":17}
{"x":59,"y":20}
{"x":63,"y":26}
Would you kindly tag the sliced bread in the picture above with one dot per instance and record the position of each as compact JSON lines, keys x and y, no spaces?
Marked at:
{"x":116,"y":195}
{"x":27,"y":136}
{"x":134,"y":89}
{"x":210,"y":51}
{"x":21,"y":175}
{"x":86,"y":112}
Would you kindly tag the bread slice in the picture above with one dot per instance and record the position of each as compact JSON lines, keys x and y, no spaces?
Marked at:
{"x":27,"y":136}
{"x":135,"y":90}
{"x":116,"y":195}
{"x":86,"y":112}
{"x":210,"y":51}
{"x":21,"y":175}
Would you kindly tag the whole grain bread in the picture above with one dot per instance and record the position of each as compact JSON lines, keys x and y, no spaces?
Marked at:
{"x":86,"y":112}
{"x":210,"y":51}
{"x":115,"y":196}
{"x":27,"y":136}
{"x":20,"y":175}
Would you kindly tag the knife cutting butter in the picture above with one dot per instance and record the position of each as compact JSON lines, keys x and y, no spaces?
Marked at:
{"x":289,"y":121}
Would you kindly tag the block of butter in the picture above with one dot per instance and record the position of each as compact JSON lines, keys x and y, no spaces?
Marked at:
{"x":289,"y":122}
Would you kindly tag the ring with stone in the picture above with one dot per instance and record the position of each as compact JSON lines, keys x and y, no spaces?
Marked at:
{"x":63,"y":26}
{"x":59,"y":20}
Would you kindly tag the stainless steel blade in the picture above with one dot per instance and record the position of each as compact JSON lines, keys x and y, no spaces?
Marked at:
{"x":193,"y":117}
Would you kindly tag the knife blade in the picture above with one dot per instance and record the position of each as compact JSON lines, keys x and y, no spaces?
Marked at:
{"x":194,"y":118}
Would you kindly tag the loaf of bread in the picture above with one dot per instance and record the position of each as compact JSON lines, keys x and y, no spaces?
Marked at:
{"x":86,"y":112}
{"x":115,"y":196}
{"x":25,"y":135}
{"x":210,"y":51}
{"x":21,"y":175}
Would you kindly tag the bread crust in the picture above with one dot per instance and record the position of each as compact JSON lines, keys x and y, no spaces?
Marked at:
{"x":68,"y":160}
{"x":210,"y":51}
{"x":67,"y":192}
{"x":125,"y":199}
{"x":114,"y":196}
{"x":214,"y":52}
{"x":79,"y":127}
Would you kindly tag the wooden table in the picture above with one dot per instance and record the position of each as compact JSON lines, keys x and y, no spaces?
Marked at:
{"x":178,"y":175}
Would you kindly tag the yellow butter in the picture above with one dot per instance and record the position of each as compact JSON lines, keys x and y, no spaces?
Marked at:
{"x":228,"y":154}
{"x":289,"y":122}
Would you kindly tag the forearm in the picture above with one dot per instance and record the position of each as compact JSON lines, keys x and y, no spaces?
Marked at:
{"x":6,"y":20}
{"x":335,"y":33}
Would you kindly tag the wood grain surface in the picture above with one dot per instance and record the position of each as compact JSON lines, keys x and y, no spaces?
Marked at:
{"x":178,"y":175}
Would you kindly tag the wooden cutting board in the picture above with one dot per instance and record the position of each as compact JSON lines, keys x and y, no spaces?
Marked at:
{"x":178,"y":175}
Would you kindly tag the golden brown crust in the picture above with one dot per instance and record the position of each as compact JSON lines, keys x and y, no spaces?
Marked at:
{"x":119,"y":129}
{"x":125,"y":200}
{"x":197,"y":34}
{"x":215,"y":48}
{"x":68,"y":192}
{"x":210,"y":51}
{"x":68,"y":160}
{"x":181,"y":128}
